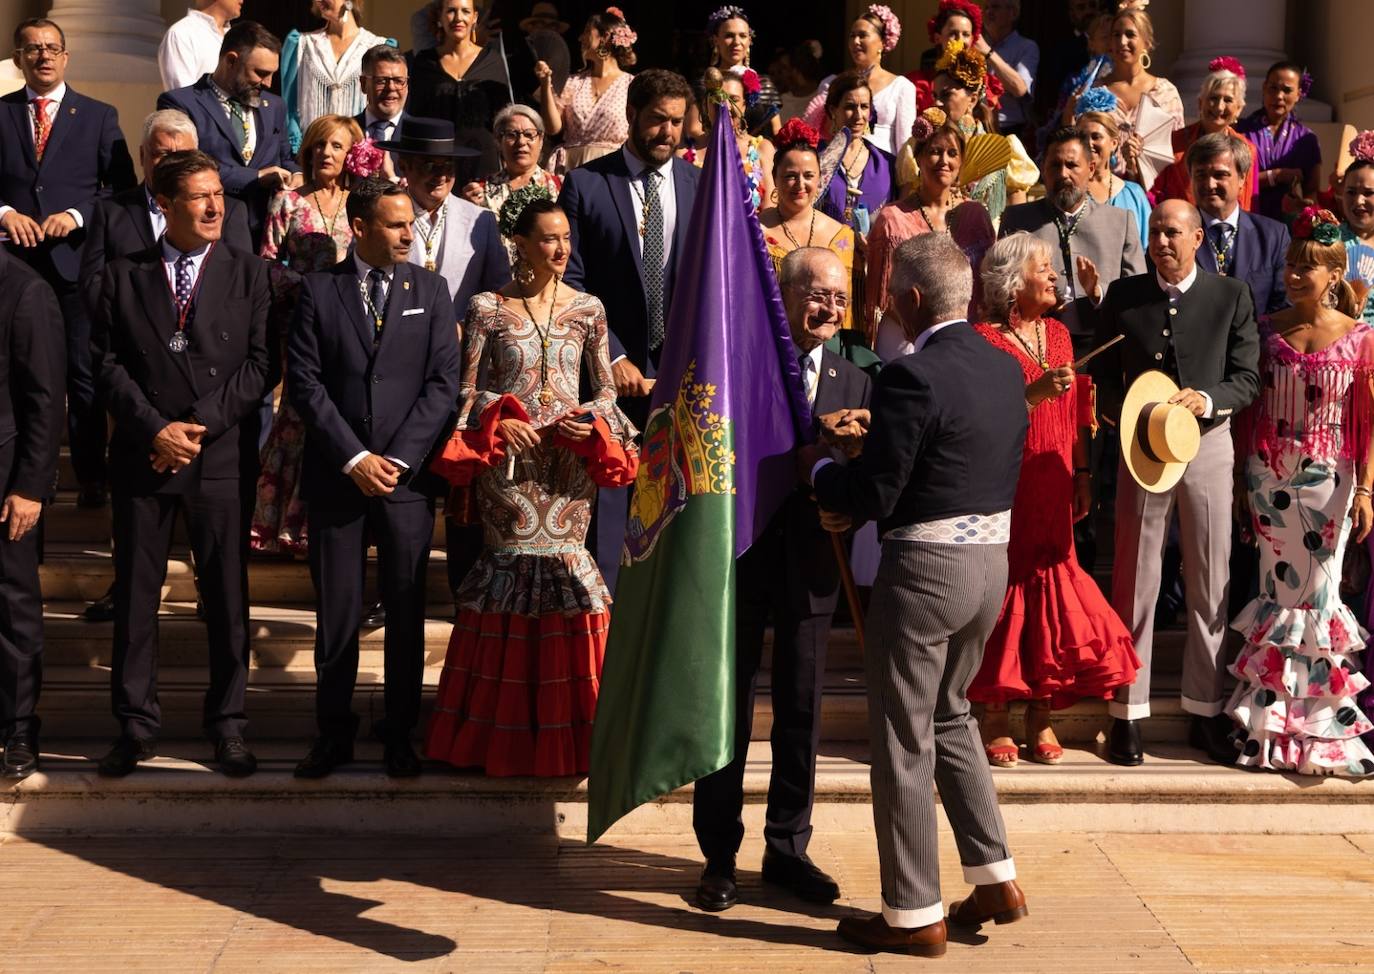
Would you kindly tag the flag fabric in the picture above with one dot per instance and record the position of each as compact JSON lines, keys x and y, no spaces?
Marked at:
{"x":717,"y":461}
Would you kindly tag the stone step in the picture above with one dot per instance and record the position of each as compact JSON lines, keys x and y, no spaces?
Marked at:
{"x":178,"y":793}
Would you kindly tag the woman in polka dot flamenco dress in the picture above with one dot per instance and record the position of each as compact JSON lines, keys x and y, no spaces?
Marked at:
{"x":1305,"y":470}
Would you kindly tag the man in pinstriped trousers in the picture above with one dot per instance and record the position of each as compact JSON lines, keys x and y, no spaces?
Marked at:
{"x":938,"y":473}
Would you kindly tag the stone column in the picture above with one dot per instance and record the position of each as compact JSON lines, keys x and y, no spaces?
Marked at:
{"x":1252,"y":31}
{"x":111,"y":41}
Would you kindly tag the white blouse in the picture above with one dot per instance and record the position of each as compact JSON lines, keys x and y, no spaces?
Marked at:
{"x":328,"y":87}
{"x":894,"y":112}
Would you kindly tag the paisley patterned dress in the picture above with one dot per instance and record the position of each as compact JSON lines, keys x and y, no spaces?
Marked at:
{"x":520,"y":681}
{"x":1299,"y":670}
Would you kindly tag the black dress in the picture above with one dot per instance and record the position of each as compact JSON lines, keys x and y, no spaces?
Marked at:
{"x":470,"y":103}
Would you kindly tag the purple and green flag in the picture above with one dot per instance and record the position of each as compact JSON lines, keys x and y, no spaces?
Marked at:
{"x":727,"y":411}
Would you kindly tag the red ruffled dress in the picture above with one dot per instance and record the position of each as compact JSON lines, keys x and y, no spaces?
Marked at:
{"x":1057,"y":636}
{"x":520,"y":681}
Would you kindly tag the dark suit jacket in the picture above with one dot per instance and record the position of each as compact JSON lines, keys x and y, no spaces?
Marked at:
{"x":1106,"y":235}
{"x":219,"y":380}
{"x":949,"y":424}
{"x":605,"y":253}
{"x":396,"y":399}
{"x":813,"y":577}
{"x":1257,"y":258}
{"x":1213,"y":341}
{"x":217,"y":140}
{"x":85,"y":159}
{"x":33,"y":361}
{"x":121,"y":226}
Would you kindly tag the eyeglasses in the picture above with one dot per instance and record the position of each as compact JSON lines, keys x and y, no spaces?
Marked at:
{"x":31,"y":51}
{"x":398,"y":83}
{"x":521,"y":135}
{"x":838,"y":298}
{"x":436,"y":167}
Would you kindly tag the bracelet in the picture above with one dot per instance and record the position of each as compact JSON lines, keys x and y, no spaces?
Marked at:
{"x":1363,"y":491}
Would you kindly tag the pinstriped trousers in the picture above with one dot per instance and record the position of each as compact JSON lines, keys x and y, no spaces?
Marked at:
{"x":933,"y":608}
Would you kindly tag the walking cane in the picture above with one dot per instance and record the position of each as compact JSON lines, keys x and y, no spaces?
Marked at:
{"x":851,"y":591}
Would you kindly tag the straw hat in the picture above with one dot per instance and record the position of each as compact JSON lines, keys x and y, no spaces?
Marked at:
{"x":1158,"y":440}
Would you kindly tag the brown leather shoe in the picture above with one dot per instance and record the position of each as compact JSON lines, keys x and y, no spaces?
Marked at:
{"x":873,"y":933}
{"x":998,"y":902}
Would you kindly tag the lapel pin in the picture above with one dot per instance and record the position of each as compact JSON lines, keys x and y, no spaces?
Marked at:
{"x":71,"y":111}
{"x":405,"y":285}
{"x":830,"y":373}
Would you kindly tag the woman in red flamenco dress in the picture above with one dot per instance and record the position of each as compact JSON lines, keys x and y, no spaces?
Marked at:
{"x":520,"y":681}
{"x":1057,"y":639}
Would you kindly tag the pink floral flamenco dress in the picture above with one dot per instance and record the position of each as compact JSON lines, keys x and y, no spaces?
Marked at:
{"x":1299,"y":669}
{"x":523,"y":670}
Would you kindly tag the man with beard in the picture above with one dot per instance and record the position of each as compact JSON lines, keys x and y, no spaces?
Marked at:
{"x":1199,"y":329}
{"x":1246,"y":246}
{"x":242,"y":126}
{"x":1078,"y":230}
{"x":385,"y":80}
{"x":631,"y":209}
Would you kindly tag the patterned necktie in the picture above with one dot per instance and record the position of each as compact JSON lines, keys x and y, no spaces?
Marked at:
{"x":810,"y":378}
{"x":376,"y":293}
{"x":239,"y":114}
{"x":377,"y":130}
{"x":41,"y":126}
{"x":1222,"y":234}
{"x":184,"y":283}
{"x":653,"y":257}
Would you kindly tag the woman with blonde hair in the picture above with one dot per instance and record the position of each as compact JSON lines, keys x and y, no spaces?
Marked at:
{"x":1056,"y":640}
{"x":1305,"y":475}
{"x":320,"y":69}
{"x":1106,"y":186}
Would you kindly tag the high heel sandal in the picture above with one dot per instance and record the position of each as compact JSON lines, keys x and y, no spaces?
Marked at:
{"x":1001,"y":755}
{"x":1041,"y":752}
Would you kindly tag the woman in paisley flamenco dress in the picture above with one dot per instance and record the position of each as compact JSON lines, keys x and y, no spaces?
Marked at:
{"x":519,"y":685}
{"x":1306,"y":474}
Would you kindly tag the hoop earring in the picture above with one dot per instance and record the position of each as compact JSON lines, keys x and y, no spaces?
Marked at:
{"x":1145,"y":61}
{"x":773,"y":197}
{"x":1330,"y":299}
{"x":524,"y":273}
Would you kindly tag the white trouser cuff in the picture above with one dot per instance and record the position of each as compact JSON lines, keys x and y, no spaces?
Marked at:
{"x":1002,"y":871}
{"x":1128,"y":711}
{"x":1202,"y":708}
{"x":911,"y":919}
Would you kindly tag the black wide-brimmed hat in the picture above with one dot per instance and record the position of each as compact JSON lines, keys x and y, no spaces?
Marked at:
{"x":426,"y":137}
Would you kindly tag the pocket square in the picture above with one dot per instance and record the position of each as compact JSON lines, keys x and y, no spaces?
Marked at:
{"x":412,"y":311}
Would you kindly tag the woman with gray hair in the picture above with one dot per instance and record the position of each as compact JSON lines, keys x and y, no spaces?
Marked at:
{"x":1219,"y":105}
{"x":519,"y":131}
{"x":1056,"y":640}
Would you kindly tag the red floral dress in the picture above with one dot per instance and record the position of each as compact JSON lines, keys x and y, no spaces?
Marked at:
{"x":1056,"y":636}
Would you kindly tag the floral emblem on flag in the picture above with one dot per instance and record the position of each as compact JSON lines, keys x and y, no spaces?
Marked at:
{"x":688,"y":450}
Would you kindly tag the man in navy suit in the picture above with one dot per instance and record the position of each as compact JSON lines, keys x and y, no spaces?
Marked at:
{"x":59,"y":153}
{"x":373,"y":363}
{"x":242,"y":125}
{"x":385,"y":80}
{"x":1246,"y":246}
{"x":631,"y":209}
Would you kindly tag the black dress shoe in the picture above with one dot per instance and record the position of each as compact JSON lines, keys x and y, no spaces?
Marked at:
{"x":124,"y":756}
{"x":102,"y":609}
{"x":234,"y":758}
{"x":401,"y":760}
{"x":200,"y":608}
{"x":1123,"y":743}
{"x":1213,"y":735}
{"x":326,"y":754}
{"x":374,"y":617}
{"x":21,"y":756}
{"x":800,"y":875}
{"x":91,"y":496}
{"x":717,"y":889}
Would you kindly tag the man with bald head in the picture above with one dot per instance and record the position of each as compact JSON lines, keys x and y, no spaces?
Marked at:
{"x":789,"y":576}
{"x":1199,"y":328}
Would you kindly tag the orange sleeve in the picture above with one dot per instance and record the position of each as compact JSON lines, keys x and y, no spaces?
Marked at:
{"x":609,"y":464}
{"x":468,"y":452}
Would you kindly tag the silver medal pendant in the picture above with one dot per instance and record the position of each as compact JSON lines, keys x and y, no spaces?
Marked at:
{"x":178,"y":342}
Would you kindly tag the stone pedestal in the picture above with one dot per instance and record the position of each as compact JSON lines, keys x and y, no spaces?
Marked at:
{"x":1251,"y":31}
{"x":111,"y":42}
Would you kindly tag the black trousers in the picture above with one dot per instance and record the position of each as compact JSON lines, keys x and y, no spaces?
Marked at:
{"x":87,"y":429}
{"x":463,"y":546}
{"x":339,"y":532}
{"x":21,"y":630}
{"x":799,"y":641}
{"x":217,"y":524}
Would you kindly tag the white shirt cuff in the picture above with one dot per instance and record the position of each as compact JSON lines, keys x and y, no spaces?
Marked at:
{"x":348,"y":467}
{"x":819,"y":463}
{"x":400,"y":463}
{"x":75,"y":214}
{"x":618,"y":358}
{"x":4,"y":210}
{"x":1206,"y":412}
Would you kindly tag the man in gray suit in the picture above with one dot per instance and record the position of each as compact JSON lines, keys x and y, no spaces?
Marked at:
{"x":938,"y":473}
{"x":1078,"y":228}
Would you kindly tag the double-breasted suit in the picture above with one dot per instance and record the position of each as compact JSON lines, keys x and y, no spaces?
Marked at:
{"x":603,"y":203}
{"x":217,"y":381}
{"x":1203,"y":334}
{"x":393,"y":393}
{"x":31,"y":386}
{"x":789,"y":577}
